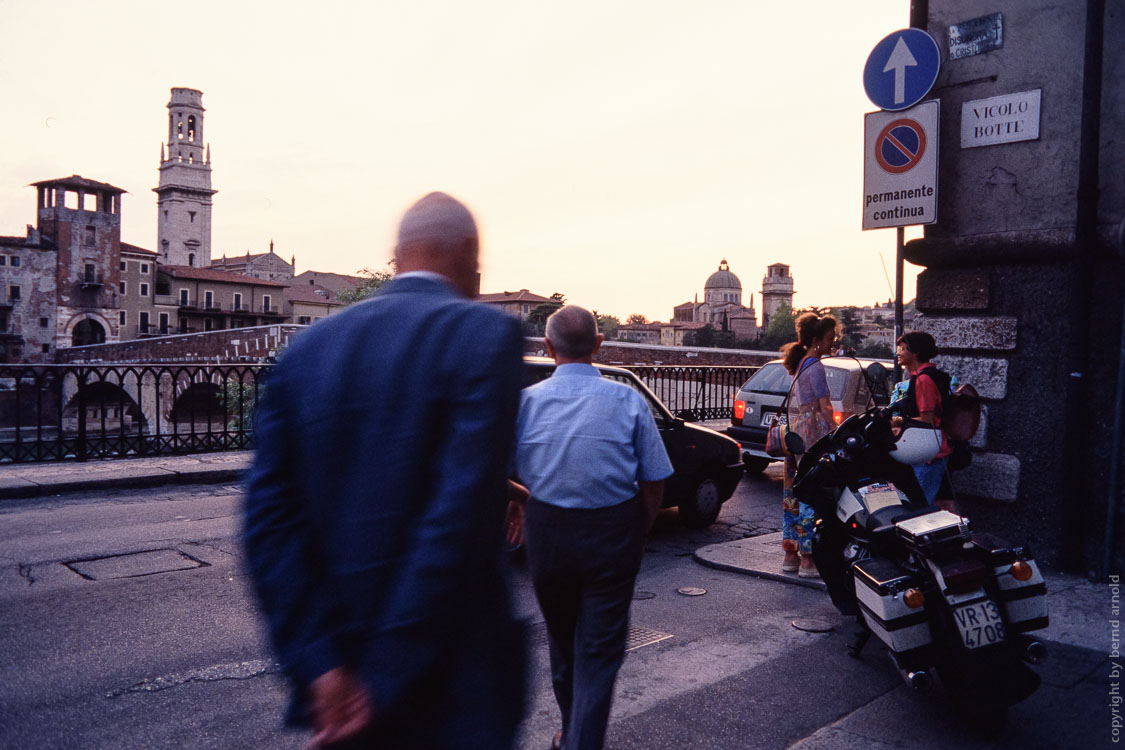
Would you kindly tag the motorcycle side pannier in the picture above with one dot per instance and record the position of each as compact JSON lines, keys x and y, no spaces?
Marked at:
{"x":1024,"y":601}
{"x":879,"y":587}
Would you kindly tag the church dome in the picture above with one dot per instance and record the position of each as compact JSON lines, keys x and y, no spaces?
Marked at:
{"x":723,"y":279}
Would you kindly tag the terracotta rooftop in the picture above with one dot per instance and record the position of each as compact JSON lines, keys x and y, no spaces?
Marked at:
{"x":314,"y":293}
{"x":76,"y":181}
{"x":207,"y":274}
{"x":332,"y":281}
{"x":521,"y":296}
{"x":127,"y":248}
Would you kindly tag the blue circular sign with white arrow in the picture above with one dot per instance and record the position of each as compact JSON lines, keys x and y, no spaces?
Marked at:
{"x":901,"y":70}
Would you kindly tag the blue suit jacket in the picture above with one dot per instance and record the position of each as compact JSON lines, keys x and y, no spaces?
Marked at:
{"x":374,"y":514}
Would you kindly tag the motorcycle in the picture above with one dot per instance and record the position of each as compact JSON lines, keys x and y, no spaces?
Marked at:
{"x":941,"y":597}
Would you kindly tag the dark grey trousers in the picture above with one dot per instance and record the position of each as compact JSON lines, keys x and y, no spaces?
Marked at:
{"x":583,"y":565}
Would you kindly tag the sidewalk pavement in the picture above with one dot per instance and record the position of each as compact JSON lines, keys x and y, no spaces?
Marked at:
{"x":34,"y":480}
{"x":1078,"y":607}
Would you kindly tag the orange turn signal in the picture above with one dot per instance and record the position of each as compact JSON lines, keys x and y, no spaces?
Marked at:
{"x":739,"y":410}
{"x":913,"y":598}
{"x":1021,"y":571}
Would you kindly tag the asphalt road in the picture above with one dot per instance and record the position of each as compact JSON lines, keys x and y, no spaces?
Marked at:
{"x":126,"y":622}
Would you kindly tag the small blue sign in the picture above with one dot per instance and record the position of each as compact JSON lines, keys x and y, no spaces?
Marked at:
{"x":901,"y":70}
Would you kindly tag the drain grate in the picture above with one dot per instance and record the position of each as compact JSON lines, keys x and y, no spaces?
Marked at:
{"x":637,"y":637}
{"x":134,"y":564}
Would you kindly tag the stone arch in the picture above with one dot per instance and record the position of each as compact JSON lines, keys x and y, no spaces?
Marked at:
{"x":106,"y":403}
{"x":199,"y":403}
{"x":73,"y":324}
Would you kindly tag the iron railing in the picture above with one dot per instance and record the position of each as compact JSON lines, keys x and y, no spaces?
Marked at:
{"x":79,"y":412}
{"x":706,"y":392}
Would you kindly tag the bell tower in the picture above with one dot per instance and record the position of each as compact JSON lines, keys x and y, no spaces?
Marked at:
{"x":184,"y":196}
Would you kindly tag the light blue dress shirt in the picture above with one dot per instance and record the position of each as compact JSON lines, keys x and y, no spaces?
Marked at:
{"x":583,"y":441}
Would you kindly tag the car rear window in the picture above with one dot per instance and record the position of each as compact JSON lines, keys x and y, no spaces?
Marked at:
{"x":837,"y":378}
{"x":771,"y":378}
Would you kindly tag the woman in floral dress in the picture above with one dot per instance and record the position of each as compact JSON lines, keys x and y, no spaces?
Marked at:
{"x":810,"y":416}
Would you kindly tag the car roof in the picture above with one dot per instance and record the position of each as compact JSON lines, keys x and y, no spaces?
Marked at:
{"x":537,"y":361}
{"x":844,"y":363}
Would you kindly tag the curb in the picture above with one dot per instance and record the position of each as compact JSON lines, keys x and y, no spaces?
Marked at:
{"x":755,"y":556}
{"x":16,"y":488}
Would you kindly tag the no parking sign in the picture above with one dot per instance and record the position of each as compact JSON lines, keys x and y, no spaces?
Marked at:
{"x":900,"y":163}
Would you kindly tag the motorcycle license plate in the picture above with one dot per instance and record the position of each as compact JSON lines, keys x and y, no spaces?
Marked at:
{"x":980,"y":624}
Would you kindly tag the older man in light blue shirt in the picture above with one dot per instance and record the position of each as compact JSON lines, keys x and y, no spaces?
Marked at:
{"x":591,"y":456}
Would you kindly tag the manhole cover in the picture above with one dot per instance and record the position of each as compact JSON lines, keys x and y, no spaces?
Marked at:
{"x":691,"y":591}
{"x":813,"y":626}
{"x":134,"y":564}
{"x":642,"y":595}
{"x":634,"y":639}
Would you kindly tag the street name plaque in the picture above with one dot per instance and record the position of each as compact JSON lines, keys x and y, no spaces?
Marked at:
{"x":1000,"y":119}
{"x":973,"y":37}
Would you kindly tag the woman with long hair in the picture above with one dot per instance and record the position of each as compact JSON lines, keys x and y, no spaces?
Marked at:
{"x":810,"y":408}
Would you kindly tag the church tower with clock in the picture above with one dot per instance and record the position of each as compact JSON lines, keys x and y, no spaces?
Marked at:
{"x":184,"y":195}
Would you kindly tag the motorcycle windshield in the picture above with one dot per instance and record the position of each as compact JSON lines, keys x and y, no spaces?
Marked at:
{"x":824,"y":393}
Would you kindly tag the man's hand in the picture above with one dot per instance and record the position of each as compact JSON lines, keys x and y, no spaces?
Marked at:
{"x":652,"y":501}
{"x":514,"y":533}
{"x":341,"y":707}
{"x":517,"y":498}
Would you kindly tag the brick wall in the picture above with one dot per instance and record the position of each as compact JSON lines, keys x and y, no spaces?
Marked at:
{"x":230,"y":345}
{"x":624,"y":353}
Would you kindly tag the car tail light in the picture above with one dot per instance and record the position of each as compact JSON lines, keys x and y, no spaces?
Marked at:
{"x":739,"y":410}
{"x":964,"y":576}
{"x":1021,"y":571}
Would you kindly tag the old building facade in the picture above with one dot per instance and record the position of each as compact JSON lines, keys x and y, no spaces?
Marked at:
{"x":722,"y":305}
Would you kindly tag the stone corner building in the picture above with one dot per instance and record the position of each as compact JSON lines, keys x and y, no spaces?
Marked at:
{"x":1023,"y":280}
{"x":60,"y":282}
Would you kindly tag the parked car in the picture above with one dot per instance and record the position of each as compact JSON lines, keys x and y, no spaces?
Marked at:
{"x":760,"y":398}
{"x":707,"y":464}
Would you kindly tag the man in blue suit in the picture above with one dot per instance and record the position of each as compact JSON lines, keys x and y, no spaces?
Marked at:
{"x":375,"y":510}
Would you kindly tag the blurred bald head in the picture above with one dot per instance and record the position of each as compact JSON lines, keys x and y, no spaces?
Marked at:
{"x":572,"y":335}
{"x":438,"y":234}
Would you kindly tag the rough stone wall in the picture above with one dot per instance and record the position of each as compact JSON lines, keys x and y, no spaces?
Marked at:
{"x":1001,"y":260}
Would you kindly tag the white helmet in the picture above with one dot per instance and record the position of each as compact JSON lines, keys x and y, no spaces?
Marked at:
{"x":917,"y":445}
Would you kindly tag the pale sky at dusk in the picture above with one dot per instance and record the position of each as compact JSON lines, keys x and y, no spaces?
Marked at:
{"x":612,"y":151}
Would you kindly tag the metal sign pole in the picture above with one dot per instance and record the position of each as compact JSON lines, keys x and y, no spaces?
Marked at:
{"x":898,"y":295}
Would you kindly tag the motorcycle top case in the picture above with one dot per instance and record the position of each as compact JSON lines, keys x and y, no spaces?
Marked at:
{"x":926,"y":532}
{"x":879,"y":587}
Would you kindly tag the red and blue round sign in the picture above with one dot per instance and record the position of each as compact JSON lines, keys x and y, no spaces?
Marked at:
{"x":900,"y":146}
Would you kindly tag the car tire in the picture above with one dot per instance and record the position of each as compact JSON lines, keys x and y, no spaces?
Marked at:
{"x":701,"y":510}
{"x":755,"y":465}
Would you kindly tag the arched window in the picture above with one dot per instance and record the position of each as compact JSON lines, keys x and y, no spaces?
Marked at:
{"x":191,"y":127}
{"x":88,"y":332}
{"x":191,"y":259}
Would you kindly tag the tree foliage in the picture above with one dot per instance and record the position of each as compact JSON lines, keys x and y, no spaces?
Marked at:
{"x":607,"y":325}
{"x":536,"y":322}
{"x":371,"y":282}
{"x":636,"y":319}
{"x":781,"y":330}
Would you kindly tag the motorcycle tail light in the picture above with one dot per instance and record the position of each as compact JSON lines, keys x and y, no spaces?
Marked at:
{"x":964,"y":576}
{"x":913,"y":598}
{"x":739,"y":410}
{"x":837,"y":417}
{"x":1021,"y":571}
